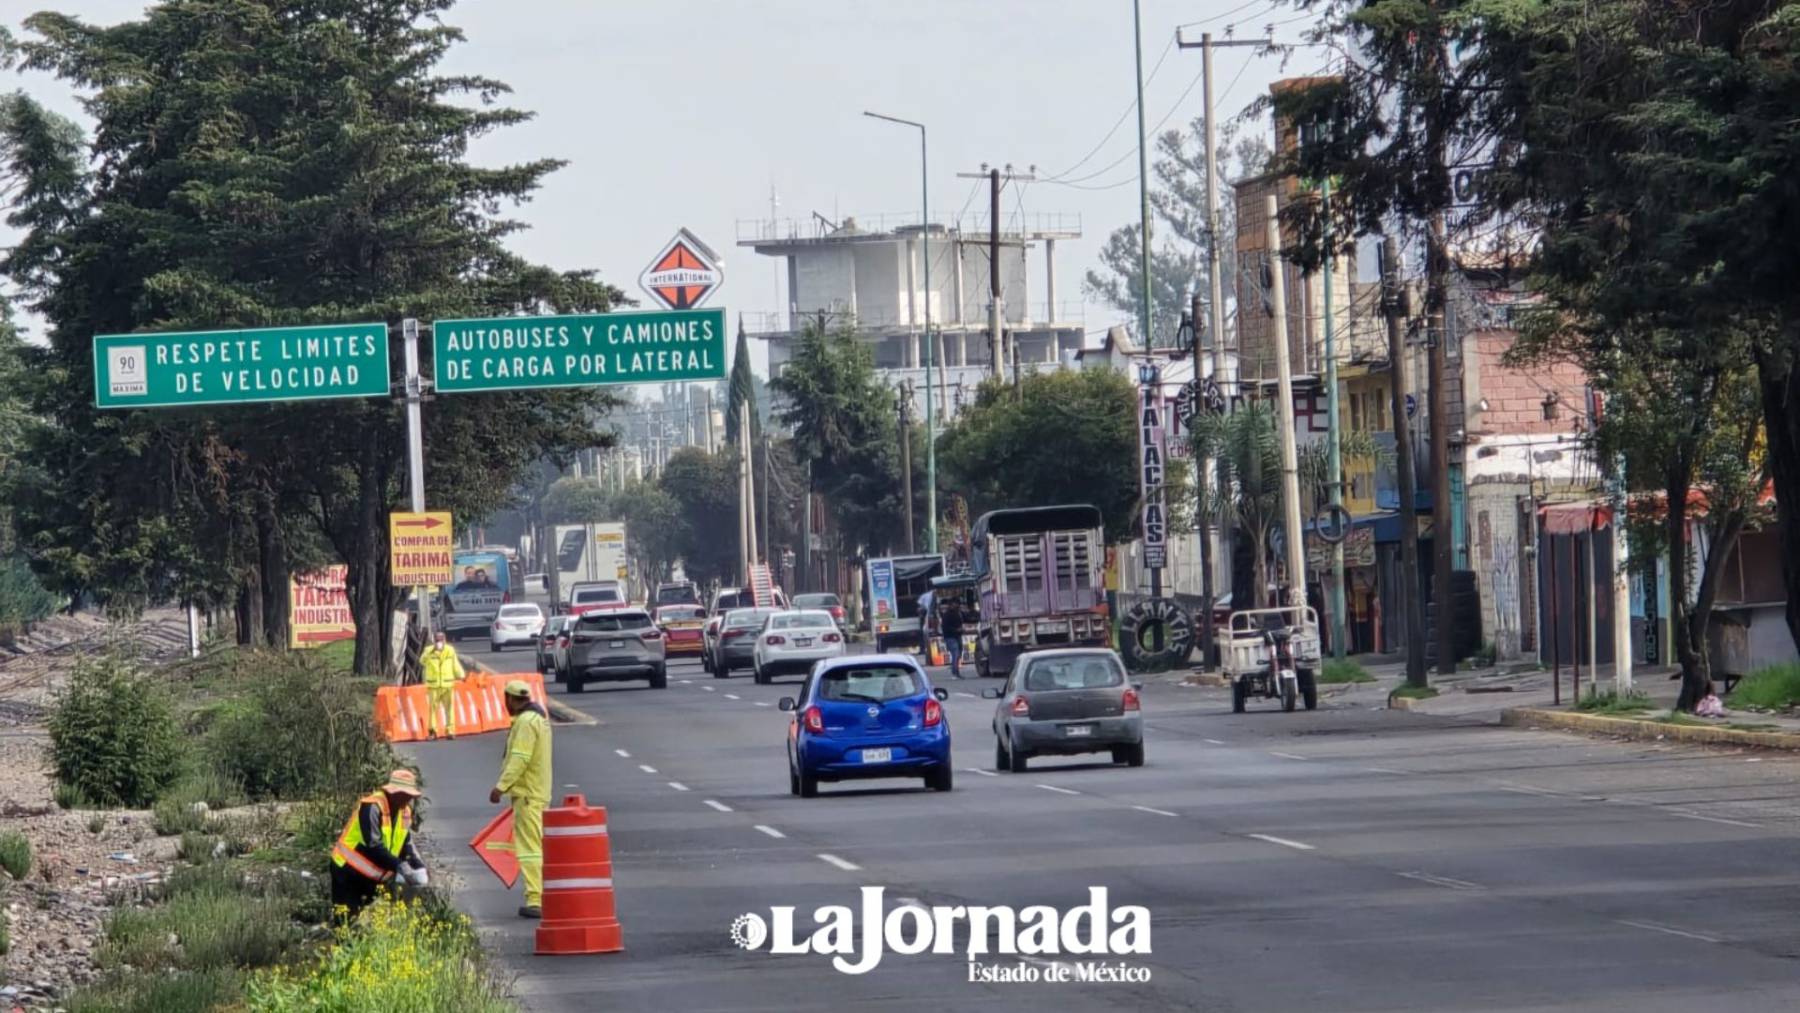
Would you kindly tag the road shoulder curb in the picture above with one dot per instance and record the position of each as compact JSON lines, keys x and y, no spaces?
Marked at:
{"x":1644,"y":730}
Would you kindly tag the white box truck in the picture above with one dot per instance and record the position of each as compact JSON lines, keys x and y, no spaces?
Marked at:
{"x":589,"y":552}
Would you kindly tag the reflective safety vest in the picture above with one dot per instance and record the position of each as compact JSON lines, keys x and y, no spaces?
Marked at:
{"x":393,"y":834}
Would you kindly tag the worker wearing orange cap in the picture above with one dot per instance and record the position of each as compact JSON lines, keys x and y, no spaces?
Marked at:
{"x":526,"y":777}
{"x":376,"y":846}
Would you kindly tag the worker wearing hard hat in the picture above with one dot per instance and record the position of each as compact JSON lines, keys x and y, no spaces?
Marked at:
{"x":376,"y":847}
{"x":442,"y":670}
{"x":526,"y":778}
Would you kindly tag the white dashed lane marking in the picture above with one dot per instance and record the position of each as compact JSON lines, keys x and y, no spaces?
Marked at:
{"x":1284,"y":842}
{"x":771,"y":831}
{"x":722,"y":807}
{"x":831,"y":859}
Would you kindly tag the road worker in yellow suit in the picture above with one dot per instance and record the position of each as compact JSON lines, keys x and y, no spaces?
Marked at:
{"x":526,"y":777}
{"x":443,"y":670}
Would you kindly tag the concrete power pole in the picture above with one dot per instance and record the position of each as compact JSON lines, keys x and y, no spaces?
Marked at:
{"x":1393,"y":306}
{"x":1290,"y":455}
{"x":1443,"y":528}
{"x":906,"y":484}
{"x":995,"y":341}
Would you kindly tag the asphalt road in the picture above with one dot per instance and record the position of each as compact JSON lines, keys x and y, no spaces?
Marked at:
{"x":1347,"y":860}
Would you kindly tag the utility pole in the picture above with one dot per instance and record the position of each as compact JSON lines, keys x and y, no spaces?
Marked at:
{"x":767,"y":546}
{"x":906,"y":490}
{"x":1621,"y":584}
{"x":1215,"y":270}
{"x":996,"y":333}
{"x":1202,"y":517}
{"x":1443,"y":530}
{"x":1334,"y":466}
{"x":995,"y":342}
{"x":1284,"y":379}
{"x":1137,"y":38}
{"x":1393,"y":306}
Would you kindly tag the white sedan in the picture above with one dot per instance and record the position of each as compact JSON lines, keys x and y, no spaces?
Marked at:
{"x":516,"y":624}
{"x":791,"y":641}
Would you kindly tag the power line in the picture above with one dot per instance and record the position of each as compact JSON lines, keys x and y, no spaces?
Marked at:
{"x":1129,"y":108}
{"x":1220,"y":17}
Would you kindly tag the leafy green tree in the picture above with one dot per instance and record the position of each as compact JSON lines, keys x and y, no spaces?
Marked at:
{"x":704,"y":488}
{"x":655,"y":529}
{"x":1178,"y":262}
{"x":1069,"y":436}
{"x":578,"y":501}
{"x":268,"y":162}
{"x":741,"y":391}
{"x":844,"y":423}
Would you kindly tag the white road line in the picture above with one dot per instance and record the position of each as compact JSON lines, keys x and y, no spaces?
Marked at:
{"x":709,"y":689}
{"x":969,"y":695}
{"x":840,"y":863}
{"x":722,"y":807}
{"x":771,"y":831}
{"x":1213,"y":742}
{"x":646,"y":768}
{"x":1159,"y":812}
{"x":1712,"y":819}
{"x":678,"y":786}
{"x":1383,"y":770}
{"x":687,"y":682}
{"x":763,"y":703}
{"x":1653,"y":927}
{"x":1060,"y":791}
{"x":908,"y":902}
{"x":1518,"y":789}
{"x":1286,"y":756}
{"x":1426,"y":877}
{"x":1284,"y":842}
{"x":978,"y":770}
{"x":623,"y":753}
{"x":733,"y":696}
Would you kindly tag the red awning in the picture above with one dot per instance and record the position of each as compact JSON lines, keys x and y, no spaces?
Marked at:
{"x":1575,"y":518}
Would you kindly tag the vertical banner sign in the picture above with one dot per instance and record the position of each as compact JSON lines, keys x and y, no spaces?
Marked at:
{"x":1152,"y":469}
{"x":419,"y":549}
{"x":319,"y":608}
{"x":881,"y":590}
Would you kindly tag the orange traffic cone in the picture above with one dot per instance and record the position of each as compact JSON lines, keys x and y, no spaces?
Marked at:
{"x":578,"y":887}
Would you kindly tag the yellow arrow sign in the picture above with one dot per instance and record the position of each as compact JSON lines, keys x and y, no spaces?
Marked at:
{"x":420,"y":549}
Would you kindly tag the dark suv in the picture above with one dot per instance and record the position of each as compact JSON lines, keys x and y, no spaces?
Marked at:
{"x":616,"y":646}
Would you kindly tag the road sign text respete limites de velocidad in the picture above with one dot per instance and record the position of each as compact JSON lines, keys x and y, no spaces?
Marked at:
{"x":228,"y":367}
{"x":506,"y":353}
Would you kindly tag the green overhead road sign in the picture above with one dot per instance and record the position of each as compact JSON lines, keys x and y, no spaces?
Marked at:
{"x":234,"y":367}
{"x":507,"y":353}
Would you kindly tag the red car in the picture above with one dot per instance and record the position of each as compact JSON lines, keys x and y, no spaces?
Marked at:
{"x":827,"y":602}
{"x":681,"y":626}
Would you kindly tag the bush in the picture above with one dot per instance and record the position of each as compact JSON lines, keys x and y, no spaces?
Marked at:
{"x":22,"y":598}
{"x":113,"y":738}
{"x":404,"y":955}
{"x":301,"y":731}
{"x":15,"y":854}
{"x":196,"y":847}
{"x":171,"y":817}
{"x":68,"y":796}
{"x":5,"y":933}
{"x":161,"y":993}
{"x":214,"y":917}
{"x":1772,"y":688}
{"x":96,"y":824}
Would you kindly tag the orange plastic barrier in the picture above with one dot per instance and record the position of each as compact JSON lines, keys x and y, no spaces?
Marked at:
{"x":579,"y":916}
{"x":402,"y":712}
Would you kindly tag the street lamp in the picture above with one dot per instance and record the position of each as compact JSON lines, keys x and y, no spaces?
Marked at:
{"x":931,"y":540}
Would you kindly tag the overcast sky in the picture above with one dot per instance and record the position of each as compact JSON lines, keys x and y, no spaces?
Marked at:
{"x":686,"y":112}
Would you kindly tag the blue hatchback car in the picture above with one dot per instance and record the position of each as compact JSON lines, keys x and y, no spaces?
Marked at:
{"x":871,"y":715}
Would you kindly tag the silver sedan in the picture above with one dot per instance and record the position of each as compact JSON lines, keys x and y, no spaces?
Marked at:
{"x":1061,"y":703}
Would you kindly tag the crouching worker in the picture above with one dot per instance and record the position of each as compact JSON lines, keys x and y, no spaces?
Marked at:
{"x":376,"y":848}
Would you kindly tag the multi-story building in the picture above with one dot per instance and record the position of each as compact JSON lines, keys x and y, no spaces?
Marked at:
{"x":870,"y":274}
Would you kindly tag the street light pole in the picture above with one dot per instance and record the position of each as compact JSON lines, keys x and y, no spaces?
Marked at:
{"x":931,"y":539}
{"x":1137,"y":37}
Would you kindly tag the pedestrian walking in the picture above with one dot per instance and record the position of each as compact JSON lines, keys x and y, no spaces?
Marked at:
{"x":950,"y":621}
{"x":443,"y":670}
{"x":525,"y":777}
{"x":376,"y":846}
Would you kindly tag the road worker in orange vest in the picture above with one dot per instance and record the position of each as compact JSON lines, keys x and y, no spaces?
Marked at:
{"x":443,"y":670}
{"x":376,"y":847}
{"x":526,"y":777}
